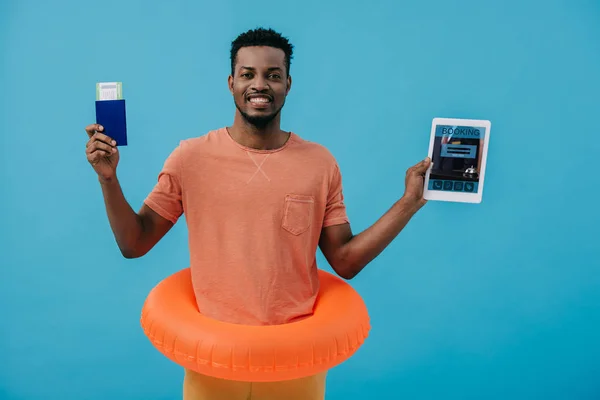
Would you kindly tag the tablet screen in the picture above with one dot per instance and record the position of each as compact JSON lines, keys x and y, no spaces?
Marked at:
{"x":457,"y":152}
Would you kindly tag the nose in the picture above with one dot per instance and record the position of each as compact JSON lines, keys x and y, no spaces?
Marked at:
{"x":260,"y":84}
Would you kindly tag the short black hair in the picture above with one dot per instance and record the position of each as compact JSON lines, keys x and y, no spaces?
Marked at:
{"x":262,"y":37}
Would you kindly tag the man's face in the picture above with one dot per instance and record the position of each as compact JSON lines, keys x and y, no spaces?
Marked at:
{"x":260,"y":84}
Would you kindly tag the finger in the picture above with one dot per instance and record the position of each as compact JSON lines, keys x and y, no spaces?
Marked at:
{"x":99,"y":154}
{"x":96,"y":156}
{"x":102,"y":138}
{"x":421,"y":167}
{"x":97,"y":145}
{"x":94,"y":131}
{"x":93,"y":128}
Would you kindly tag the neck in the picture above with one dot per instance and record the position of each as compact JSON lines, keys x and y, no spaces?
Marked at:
{"x":268,"y":137}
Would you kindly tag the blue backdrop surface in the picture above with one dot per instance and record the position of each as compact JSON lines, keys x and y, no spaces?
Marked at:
{"x":499,"y":300}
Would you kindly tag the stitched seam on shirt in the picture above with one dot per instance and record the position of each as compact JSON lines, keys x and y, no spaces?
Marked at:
{"x":258,"y":167}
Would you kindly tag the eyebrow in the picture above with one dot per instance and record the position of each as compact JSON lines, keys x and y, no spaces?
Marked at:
{"x":253,"y":69}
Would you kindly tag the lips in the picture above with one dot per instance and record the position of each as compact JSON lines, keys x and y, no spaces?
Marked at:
{"x":259,"y":100}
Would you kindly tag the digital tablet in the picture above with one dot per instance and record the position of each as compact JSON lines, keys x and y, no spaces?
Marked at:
{"x":458,"y":150}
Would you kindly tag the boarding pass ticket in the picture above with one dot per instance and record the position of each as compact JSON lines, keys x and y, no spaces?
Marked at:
{"x":109,"y":91}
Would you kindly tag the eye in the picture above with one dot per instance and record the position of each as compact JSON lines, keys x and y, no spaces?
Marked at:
{"x":246,"y":75}
{"x":275,"y":76}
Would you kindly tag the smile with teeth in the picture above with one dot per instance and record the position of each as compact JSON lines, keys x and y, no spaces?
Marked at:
{"x":260,"y":100}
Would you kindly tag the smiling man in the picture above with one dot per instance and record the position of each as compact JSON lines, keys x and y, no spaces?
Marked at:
{"x":258,"y":201}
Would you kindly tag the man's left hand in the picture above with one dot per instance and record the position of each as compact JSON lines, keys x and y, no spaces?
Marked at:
{"x":414,"y":182}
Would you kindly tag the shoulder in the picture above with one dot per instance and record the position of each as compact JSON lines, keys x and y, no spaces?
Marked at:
{"x":194,"y":148}
{"x":202,"y":142}
{"x":201,"y":146}
{"x":317,"y":158}
{"x":313,"y":151}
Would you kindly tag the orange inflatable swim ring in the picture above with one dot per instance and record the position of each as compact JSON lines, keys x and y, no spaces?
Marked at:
{"x":337,"y":328}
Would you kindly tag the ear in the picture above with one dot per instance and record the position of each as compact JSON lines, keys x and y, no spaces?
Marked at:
{"x":230,"y":83}
{"x":289,"y":84}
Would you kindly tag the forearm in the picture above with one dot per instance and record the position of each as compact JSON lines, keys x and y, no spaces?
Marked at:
{"x":361,"y":249}
{"x":125,"y":223}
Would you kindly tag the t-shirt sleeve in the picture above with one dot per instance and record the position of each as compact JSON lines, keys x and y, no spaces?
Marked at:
{"x":335,"y":209}
{"x":166,"y":196}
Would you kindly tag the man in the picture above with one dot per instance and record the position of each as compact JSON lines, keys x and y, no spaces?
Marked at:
{"x":258,"y":201}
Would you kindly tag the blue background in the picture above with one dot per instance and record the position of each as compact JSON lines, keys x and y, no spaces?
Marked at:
{"x":493,"y":301}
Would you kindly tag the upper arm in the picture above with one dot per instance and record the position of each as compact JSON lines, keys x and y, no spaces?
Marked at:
{"x":332,"y":243}
{"x":163,"y":206}
{"x":336,"y":231}
{"x":154,"y":228}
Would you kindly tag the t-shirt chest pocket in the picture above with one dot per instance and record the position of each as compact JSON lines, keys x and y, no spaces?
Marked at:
{"x":297,"y":213}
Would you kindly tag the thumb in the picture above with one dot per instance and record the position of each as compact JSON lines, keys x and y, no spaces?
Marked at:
{"x":423,"y":165}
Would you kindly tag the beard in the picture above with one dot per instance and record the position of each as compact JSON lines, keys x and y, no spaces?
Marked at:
{"x":258,"y":121}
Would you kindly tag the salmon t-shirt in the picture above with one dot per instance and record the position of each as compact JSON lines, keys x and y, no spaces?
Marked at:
{"x":254,"y":220}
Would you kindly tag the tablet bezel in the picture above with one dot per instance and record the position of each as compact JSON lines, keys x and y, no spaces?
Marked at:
{"x":461,"y":197}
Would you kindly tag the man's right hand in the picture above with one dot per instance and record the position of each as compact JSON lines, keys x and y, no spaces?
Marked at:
{"x":102,"y":152}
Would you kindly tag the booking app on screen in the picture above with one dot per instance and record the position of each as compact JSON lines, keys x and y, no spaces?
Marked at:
{"x":456,"y":157}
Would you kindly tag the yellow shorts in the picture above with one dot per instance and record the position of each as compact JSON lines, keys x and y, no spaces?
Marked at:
{"x":202,"y":387}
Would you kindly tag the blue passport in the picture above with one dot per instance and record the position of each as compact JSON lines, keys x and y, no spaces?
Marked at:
{"x":111,"y":115}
